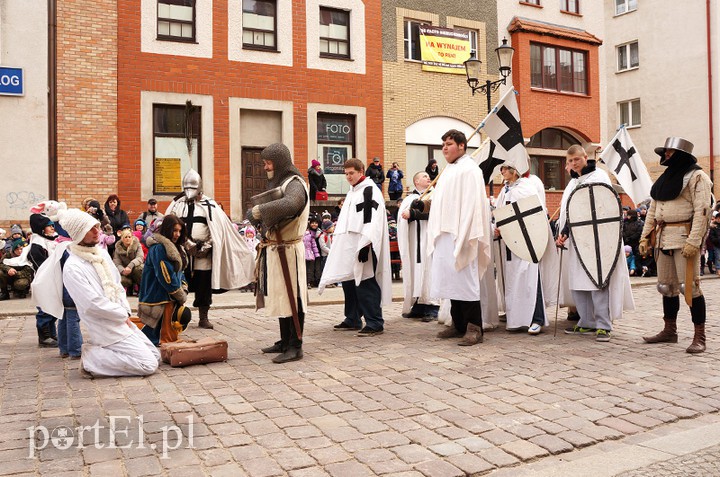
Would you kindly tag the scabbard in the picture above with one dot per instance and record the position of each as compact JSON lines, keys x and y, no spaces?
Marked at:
{"x":689,"y":275}
{"x":282,"y":254}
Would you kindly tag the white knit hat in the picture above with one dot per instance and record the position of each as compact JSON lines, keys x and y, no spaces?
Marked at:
{"x":76,"y":223}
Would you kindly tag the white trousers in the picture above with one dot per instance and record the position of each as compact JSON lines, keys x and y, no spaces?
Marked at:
{"x":133,"y":356}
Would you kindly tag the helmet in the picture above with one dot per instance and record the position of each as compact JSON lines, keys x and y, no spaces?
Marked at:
{"x":192,"y":185}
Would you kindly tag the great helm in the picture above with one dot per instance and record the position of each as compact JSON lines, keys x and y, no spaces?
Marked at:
{"x":192,"y":184}
{"x":676,"y":143}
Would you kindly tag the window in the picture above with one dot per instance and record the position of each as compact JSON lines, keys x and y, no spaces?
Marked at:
{"x":335,"y":145}
{"x":627,"y":56}
{"x":558,"y":69}
{"x":176,"y":145}
{"x":411,"y":39}
{"x":549,"y":166}
{"x":473,"y":42}
{"x":334,"y":33}
{"x":259,"y":23}
{"x":630,"y":113}
{"x":531,"y":2}
{"x":624,"y":6}
{"x":571,"y":6}
{"x":176,"y":20}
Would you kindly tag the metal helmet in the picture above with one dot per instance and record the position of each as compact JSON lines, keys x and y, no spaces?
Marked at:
{"x":192,"y":185}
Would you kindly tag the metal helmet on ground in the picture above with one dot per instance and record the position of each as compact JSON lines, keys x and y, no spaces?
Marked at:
{"x":192,"y":185}
{"x":283,"y":166}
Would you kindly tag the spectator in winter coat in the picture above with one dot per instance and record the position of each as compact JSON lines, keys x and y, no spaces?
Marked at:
{"x":312,"y":253}
{"x":375,"y":172}
{"x":17,"y":277}
{"x":129,"y":258}
{"x":317,"y":179}
{"x":395,"y":188}
{"x":432,"y":169}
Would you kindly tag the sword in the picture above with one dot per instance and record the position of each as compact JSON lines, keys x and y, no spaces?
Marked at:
{"x":557,"y":299}
{"x":282,"y":254}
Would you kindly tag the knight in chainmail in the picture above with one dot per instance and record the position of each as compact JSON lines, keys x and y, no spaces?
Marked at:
{"x":280,"y":270}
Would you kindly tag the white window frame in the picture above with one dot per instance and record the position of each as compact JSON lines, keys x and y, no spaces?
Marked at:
{"x":627,"y":48}
{"x":565,"y":7}
{"x":407,"y":36}
{"x":625,"y":7}
{"x":631,"y":105}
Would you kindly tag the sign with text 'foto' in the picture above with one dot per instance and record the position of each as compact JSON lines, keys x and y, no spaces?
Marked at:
{"x":12,"y":81}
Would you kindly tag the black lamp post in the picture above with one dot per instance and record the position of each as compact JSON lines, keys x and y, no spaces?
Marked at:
{"x":472,"y":69}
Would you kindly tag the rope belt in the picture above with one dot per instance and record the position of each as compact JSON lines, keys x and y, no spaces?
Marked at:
{"x":278,"y":243}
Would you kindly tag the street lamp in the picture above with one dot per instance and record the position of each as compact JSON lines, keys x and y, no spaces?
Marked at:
{"x":472,"y":70}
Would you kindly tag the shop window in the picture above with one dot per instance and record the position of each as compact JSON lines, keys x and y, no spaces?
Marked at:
{"x":335,"y":145}
{"x":176,"y":145}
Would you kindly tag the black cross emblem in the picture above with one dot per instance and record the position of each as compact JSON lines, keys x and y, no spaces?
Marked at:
{"x":624,"y":158}
{"x":513,"y":136}
{"x":488,"y":165}
{"x":367,"y":205}
{"x":519,"y":216}
{"x":595,"y":221}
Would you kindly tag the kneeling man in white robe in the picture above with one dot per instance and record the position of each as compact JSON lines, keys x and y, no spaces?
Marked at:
{"x":118,"y":347}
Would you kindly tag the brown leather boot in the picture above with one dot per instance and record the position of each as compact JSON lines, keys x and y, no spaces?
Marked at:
{"x":667,"y":335}
{"x":449,"y":332}
{"x":473,"y":335}
{"x":698,"y":342}
{"x":204,"y":321}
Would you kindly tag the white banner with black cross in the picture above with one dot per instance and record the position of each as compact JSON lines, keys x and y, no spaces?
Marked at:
{"x":624,"y":161}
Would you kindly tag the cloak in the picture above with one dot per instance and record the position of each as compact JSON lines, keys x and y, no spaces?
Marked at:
{"x":233,"y":265}
{"x":47,"y":286}
{"x":619,"y":287}
{"x":362,"y":222}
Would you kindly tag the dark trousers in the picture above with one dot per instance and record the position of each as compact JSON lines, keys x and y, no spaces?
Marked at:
{"x":45,"y":324}
{"x":395,"y":195}
{"x":464,"y":312}
{"x":363,"y":300}
{"x":200,"y":282}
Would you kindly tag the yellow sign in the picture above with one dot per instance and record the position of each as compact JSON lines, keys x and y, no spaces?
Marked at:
{"x":444,"y":50}
{"x":167,"y":175}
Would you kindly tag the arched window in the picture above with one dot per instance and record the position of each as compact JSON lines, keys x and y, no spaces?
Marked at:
{"x":549,"y":165}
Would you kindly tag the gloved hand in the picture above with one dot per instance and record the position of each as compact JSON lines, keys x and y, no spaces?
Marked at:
{"x":190,"y":247}
{"x":204,"y":249}
{"x":689,"y":250}
{"x":643,"y":247}
{"x":179,"y":296}
{"x":364,"y":254}
{"x":253,"y":215}
{"x":417,"y":204}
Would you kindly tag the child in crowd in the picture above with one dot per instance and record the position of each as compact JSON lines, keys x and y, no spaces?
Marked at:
{"x":630,"y":260}
{"x":325,"y":242}
{"x":312,"y":254}
{"x":13,"y":273}
{"x":139,"y":233}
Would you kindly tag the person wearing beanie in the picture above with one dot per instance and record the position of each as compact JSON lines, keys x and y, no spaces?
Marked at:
{"x":317,"y":180}
{"x":15,"y":232}
{"x":630,"y":260}
{"x":118,"y":347}
{"x":598,"y":307}
{"x":677,"y":222}
{"x":107,"y":237}
{"x":17,"y":276}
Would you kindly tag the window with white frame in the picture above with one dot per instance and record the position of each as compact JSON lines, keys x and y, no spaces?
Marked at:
{"x":334,"y":33}
{"x":176,"y":145}
{"x":176,"y":20}
{"x":259,"y":22}
{"x":473,"y":42}
{"x":531,"y":2}
{"x":630,"y":113}
{"x":627,"y":56}
{"x":624,"y":6}
{"x":411,"y":39}
{"x":572,"y":6}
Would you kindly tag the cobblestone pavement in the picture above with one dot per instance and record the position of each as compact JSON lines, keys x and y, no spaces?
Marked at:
{"x":705,"y":463}
{"x":400,"y":404}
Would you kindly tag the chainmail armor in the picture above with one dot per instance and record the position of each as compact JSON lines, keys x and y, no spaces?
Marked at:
{"x":283,"y":166}
{"x":290,"y":206}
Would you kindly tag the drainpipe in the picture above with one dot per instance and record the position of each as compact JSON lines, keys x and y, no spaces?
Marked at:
{"x":710,"y":93}
{"x":52,"y":100}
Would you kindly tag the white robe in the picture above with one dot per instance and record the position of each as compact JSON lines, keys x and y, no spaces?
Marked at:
{"x":47,"y":286}
{"x":351,"y":235}
{"x":459,"y":232}
{"x":621,"y":297}
{"x":519,"y":276}
{"x":413,"y":245}
{"x":118,"y":348}
{"x":233,"y":264}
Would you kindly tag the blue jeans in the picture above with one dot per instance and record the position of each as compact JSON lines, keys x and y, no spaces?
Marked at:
{"x":70,"y":338}
{"x":43,"y":319}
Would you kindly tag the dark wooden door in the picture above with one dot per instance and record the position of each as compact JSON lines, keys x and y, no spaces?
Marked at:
{"x":254,"y":179}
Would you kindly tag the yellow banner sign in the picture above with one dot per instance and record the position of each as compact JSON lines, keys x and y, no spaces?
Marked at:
{"x":167,"y":175}
{"x":444,"y":50}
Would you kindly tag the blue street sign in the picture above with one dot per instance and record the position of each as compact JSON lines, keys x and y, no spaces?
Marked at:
{"x":12,"y":81}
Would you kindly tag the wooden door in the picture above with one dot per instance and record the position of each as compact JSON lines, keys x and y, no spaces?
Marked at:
{"x":254,"y":178}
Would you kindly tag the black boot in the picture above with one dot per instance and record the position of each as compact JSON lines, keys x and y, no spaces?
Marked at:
{"x":204,"y":321}
{"x":278,"y":346}
{"x":45,"y":338}
{"x":294,"y":349}
{"x":4,"y":295}
{"x":697,"y":312}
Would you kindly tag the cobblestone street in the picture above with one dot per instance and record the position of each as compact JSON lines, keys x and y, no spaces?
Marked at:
{"x":400,"y":404}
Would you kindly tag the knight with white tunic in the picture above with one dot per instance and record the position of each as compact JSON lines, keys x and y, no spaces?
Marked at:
{"x":459,"y":240}
{"x":597,"y":307}
{"x":219,"y":257}
{"x":360,"y":255}
{"x":528,"y":287}
{"x":117,"y":347}
{"x":412,"y":242}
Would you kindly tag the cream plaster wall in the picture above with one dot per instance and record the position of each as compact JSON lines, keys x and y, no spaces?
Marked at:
{"x":203,"y":32}
{"x":207,"y":161}
{"x":356,"y":63}
{"x":284,"y":37}
{"x":24,"y":131}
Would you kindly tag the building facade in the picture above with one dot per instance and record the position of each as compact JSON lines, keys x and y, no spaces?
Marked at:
{"x":663,"y":75}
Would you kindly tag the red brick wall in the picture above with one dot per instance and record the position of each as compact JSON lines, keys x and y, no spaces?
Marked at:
{"x":540,"y":109}
{"x":87,"y":100}
{"x":222,"y":78}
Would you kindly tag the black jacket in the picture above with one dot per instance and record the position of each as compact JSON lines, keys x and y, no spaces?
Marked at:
{"x":375,"y":173}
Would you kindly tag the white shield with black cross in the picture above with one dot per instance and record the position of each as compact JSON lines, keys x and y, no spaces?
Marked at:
{"x":594,"y":217}
{"x":524,"y":227}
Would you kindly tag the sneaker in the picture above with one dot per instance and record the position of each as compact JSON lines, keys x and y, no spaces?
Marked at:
{"x":535,"y":329}
{"x":346,"y":327}
{"x":369,"y":332}
{"x":602,"y":336}
{"x":573,"y":316}
{"x":576,"y":330}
